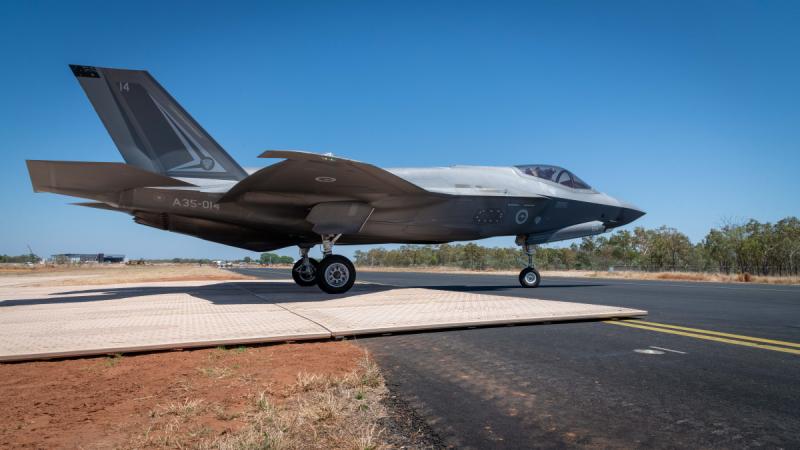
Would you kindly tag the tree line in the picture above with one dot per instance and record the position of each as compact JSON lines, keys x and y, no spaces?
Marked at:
{"x":264,"y":258}
{"x":751,"y":247}
{"x":274,"y":258}
{"x":27,"y":258}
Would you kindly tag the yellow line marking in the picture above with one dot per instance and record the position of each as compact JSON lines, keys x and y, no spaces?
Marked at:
{"x":717,"y":333}
{"x":702,"y":336}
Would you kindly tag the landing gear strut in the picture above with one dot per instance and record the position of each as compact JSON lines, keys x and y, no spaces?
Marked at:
{"x":529,"y":277}
{"x":335,"y":274}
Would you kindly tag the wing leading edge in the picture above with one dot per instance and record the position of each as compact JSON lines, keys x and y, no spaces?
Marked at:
{"x":321,"y":176}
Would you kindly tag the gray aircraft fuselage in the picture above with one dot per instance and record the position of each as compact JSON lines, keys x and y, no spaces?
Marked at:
{"x":476,"y":202}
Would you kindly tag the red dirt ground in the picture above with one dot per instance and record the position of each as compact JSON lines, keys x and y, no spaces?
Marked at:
{"x":111,"y":402}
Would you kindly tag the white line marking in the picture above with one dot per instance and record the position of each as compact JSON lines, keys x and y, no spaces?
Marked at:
{"x":667,"y":350}
{"x":647,"y":351}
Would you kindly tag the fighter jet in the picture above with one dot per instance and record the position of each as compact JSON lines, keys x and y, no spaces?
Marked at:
{"x":178,"y":178}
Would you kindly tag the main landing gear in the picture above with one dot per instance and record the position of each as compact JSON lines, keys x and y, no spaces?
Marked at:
{"x":529,"y":277}
{"x":304,"y":271}
{"x":335,"y":274}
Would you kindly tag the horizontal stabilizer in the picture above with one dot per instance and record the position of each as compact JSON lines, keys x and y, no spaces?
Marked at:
{"x":94,"y":180}
{"x":98,"y":205}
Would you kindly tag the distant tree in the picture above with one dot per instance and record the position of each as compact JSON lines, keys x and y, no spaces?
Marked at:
{"x":361,"y":258}
{"x":474,"y":256}
{"x":274,"y":258}
{"x":26,"y":258}
{"x":178,"y":261}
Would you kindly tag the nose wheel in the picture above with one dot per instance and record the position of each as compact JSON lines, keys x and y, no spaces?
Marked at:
{"x":529,"y":277}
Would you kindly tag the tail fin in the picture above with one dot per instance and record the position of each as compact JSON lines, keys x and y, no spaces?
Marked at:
{"x":151,"y":130}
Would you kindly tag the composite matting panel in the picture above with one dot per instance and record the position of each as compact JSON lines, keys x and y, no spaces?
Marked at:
{"x":47,"y":322}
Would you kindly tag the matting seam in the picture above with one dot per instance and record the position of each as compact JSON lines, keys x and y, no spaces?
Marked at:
{"x":330,"y":332}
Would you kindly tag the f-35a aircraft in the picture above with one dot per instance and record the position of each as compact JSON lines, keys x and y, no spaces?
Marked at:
{"x":178,"y":178}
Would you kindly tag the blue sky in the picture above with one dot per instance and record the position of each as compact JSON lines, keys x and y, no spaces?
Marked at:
{"x":690,"y":110}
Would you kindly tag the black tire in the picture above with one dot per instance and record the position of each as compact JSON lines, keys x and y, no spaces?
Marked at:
{"x":335,"y":274}
{"x":301,"y":277}
{"x":529,"y":277}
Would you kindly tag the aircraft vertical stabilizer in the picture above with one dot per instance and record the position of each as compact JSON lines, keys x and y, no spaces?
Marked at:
{"x":151,"y":130}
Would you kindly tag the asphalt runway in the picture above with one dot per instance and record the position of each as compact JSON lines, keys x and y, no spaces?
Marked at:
{"x":728,"y":378}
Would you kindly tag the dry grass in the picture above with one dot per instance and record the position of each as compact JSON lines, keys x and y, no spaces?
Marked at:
{"x":113,"y":274}
{"x":322,"y":412}
{"x":188,"y":408}
{"x":318,"y":411}
{"x":216,"y":372}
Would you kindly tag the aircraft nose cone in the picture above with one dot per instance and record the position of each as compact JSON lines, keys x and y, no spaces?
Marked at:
{"x":628,"y":213}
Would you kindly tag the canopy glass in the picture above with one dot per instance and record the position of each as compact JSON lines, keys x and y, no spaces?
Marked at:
{"x":554,"y":174}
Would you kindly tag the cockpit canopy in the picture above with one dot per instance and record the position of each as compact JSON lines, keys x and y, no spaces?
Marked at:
{"x":554,"y":174}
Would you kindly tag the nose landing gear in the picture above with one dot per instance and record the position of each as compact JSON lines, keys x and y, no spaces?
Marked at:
{"x":529,"y":277}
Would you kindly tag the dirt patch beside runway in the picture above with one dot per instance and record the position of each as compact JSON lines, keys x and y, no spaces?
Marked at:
{"x":275,"y":396}
{"x":112,"y":274}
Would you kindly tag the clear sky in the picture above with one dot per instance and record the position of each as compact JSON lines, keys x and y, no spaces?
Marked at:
{"x":690,"y":110}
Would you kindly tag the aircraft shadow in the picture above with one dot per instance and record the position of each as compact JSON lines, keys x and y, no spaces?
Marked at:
{"x":236,"y":293}
{"x":229,"y":293}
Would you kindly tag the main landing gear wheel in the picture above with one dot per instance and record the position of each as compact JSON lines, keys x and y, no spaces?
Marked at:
{"x":335,"y":274}
{"x":529,"y":277}
{"x":305,"y":274}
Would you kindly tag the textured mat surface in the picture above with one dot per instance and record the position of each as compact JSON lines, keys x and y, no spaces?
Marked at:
{"x":66,"y":321}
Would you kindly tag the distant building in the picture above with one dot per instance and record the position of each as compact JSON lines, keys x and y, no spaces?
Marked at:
{"x":77,"y":258}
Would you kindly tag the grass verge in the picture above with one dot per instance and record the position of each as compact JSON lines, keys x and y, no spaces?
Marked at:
{"x":316,"y":411}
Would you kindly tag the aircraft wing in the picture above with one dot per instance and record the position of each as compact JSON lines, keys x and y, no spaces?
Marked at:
{"x":323,"y":177}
